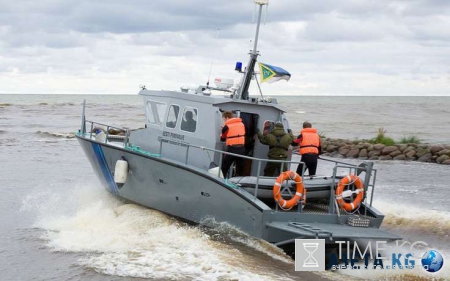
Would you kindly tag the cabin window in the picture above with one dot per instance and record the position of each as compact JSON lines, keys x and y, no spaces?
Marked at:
{"x":189,"y":122}
{"x":155,"y":112}
{"x":172,"y":116}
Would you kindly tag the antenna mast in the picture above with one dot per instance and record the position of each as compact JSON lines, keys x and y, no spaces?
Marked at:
{"x":243,"y":90}
{"x":212,"y":59}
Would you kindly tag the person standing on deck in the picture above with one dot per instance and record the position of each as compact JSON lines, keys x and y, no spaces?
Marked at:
{"x":310,"y":148}
{"x":278,"y":141}
{"x":233,"y":133}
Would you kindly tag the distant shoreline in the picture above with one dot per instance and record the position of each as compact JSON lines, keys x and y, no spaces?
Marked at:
{"x":431,"y":153}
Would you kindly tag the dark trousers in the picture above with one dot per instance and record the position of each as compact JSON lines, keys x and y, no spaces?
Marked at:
{"x":310,"y":161}
{"x":273,"y":169}
{"x":228,"y":160}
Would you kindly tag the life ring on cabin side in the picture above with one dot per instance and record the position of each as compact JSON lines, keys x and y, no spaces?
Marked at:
{"x":340,"y":193}
{"x":299,"y":193}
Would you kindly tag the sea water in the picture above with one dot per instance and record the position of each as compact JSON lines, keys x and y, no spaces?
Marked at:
{"x":59,"y":223}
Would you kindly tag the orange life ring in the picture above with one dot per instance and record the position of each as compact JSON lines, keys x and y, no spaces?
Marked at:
{"x":350,"y":179}
{"x":299,"y":194}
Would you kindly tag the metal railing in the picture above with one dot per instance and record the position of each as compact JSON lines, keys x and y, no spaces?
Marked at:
{"x":82,"y":130}
{"x":369,"y":180}
{"x":104,"y":127}
{"x":221,"y":155}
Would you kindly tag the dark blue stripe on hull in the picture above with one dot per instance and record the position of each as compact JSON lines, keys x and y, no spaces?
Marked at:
{"x":104,"y":166}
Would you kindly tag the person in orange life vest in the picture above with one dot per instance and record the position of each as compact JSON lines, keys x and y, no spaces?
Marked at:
{"x":310,"y":148}
{"x":233,"y":133}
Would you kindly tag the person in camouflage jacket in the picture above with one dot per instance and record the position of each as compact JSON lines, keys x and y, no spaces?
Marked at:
{"x":278,"y":141}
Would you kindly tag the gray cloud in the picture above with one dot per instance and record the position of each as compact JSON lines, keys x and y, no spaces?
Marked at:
{"x":327,"y":45}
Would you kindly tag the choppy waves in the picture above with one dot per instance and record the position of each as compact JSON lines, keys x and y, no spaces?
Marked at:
{"x":56,"y":135}
{"x":9,"y":142}
{"x":422,"y":220}
{"x":64,"y":104}
{"x":414,"y":224}
{"x":128,"y":240}
{"x":224,"y":231}
{"x":131,"y":241}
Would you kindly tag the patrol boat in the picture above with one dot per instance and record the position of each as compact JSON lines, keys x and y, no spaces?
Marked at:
{"x":173,"y":165}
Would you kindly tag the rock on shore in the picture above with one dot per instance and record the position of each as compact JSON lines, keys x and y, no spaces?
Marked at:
{"x":340,"y":148}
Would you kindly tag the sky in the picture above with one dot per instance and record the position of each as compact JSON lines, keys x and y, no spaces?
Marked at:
{"x":351,"y":47}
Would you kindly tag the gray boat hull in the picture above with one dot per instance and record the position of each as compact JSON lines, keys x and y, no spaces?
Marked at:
{"x":174,"y":189}
{"x":198,"y":197}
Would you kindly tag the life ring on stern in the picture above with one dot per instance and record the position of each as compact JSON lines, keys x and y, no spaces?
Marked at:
{"x":299,"y":193}
{"x":341,"y":194}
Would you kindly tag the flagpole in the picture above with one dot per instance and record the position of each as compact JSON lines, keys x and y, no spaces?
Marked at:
{"x":243,"y":91}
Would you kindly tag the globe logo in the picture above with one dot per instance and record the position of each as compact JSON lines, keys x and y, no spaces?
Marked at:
{"x":432,"y":261}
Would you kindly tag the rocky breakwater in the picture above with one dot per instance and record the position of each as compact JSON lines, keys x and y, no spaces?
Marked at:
{"x":339,"y":148}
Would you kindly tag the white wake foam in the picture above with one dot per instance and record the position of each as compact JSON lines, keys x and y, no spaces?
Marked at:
{"x":128,"y":240}
{"x":417,"y":224}
{"x":241,"y":237}
{"x":419,"y":218}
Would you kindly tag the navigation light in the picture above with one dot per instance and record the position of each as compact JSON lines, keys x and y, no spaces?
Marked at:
{"x":238,"y":66}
